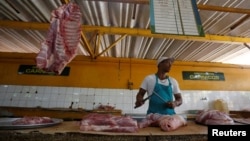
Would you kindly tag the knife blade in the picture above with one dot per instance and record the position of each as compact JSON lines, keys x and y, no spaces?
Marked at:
{"x":242,"y":121}
{"x":159,"y":96}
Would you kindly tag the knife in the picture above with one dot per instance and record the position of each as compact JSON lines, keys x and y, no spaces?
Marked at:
{"x":159,"y":96}
{"x":242,"y":121}
{"x":144,"y":100}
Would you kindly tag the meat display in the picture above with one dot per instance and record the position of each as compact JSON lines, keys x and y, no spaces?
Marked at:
{"x":29,"y":120}
{"x":213,"y":117}
{"x":165,"y":122}
{"x":108,"y":123}
{"x":62,"y":41}
{"x":105,"y":107}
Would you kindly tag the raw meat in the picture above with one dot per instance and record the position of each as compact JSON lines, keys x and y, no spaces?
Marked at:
{"x":108,"y":123}
{"x":62,"y":41}
{"x":213,"y":117}
{"x":105,"y":107}
{"x":165,"y":122}
{"x":29,"y":120}
{"x":171,"y":123}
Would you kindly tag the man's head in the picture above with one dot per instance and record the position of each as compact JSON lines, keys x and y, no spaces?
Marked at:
{"x":164,"y":63}
{"x":162,"y":59}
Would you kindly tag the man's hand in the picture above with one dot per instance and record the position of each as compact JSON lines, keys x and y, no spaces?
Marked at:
{"x":171,"y":104}
{"x":138,"y":103}
{"x":139,"y":98}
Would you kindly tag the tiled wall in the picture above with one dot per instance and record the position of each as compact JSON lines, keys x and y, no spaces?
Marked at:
{"x":124,"y":99}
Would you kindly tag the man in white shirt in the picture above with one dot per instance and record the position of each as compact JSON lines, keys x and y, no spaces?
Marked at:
{"x":163,"y":90}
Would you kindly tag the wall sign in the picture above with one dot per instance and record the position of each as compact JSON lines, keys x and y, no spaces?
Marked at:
{"x":32,"y":69}
{"x":179,"y":17}
{"x":207,"y":76}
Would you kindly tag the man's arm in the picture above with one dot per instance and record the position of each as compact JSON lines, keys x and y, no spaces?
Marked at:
{"x":177,"y":102}
{"x":139,"y":97}
{"x":178,"y":99}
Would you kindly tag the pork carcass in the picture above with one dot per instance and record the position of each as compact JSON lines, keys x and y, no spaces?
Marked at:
{"x":29,"y":120}
{"x":165,"y":122}
{"x":108,"y":123}
{"x":62,"y":41}
{"x":213,"y":117}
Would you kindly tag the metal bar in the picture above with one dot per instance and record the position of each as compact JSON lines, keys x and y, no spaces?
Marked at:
{"x":127,"y":31}
{"x":158,"y":96}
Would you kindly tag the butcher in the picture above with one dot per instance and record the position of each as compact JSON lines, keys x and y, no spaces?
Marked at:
{"x":163,"y":90}
{"x":164,"y":96}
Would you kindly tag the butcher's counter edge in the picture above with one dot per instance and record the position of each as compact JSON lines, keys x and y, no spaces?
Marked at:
{"x":77,"y":114}
{"x":70,"y":131}
{"x":62,"y":113}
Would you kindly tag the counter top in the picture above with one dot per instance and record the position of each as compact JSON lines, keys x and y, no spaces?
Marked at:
{"x":72,"y":126}
{"x":192,"y":131}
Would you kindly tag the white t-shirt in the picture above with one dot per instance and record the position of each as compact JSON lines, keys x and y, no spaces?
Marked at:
{"x":149,"y":81}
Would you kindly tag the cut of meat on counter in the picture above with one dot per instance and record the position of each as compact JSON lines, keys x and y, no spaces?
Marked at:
{"x":108,"y":123}
{"x":213,"y":117}
{"x":165,"y":122}
{"x":29,"y":120}
{"x":105,"y":107}
{"x":63,"y":39}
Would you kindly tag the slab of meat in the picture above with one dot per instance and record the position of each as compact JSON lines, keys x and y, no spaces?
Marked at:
{"x":165,"y":122}
{"x":108,"y":123}
{"x":213,"y":117}
{"x":105,"y":107}
{"x":62,"y":41}
{"x":29,"y":120}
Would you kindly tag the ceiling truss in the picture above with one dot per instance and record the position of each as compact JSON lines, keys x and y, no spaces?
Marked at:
{"x":98,"y":31}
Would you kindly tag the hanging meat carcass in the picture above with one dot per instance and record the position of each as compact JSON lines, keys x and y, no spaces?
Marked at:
{"x":62,"y":41}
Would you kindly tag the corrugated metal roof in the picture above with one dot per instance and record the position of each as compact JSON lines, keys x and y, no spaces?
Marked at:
{"x":123,"y":29}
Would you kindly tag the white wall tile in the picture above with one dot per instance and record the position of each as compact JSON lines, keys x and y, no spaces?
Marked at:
{"x":30,"y":103}
{"x":15,"y":103}
{"x":33,"y":89}
{"x":68,"y":97}
{"x":77,"y":90}
{"x":61,"y":97}
{"x":45,"y":104}
{"x":69,"y":90}
{"x":91,"y":91}
{"x":62,"y":90}
{"x":90,"y":99}
{"x":25,"y":89}
{"x":54,"y":90}
{"x":18,"y":89}
{"x":3,"y":88}
{"x":47,"y":89}
{"x":89,"y":106}
{"x":40,"y":89}
{"x":124,"y":99}
{"x":61,"y":104}
{"x":52,"y":104}
{"x":22,"y":103}
{"x":11,"y":88}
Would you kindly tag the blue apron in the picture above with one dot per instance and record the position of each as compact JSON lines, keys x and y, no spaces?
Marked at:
{"x":156,"y":105}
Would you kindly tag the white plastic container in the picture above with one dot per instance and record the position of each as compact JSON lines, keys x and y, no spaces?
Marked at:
{"x":221,"y":105}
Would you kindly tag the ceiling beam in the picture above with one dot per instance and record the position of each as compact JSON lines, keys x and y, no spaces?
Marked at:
{"x":128,"y":31}
{"x":126,"y":1}
{"x":223,"y":9}
{"x":199,"y":6}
